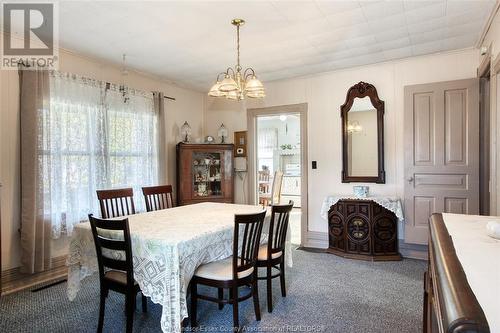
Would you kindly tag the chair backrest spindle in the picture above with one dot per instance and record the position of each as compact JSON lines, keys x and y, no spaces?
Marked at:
{"x":113,"y":246}
{"x":251,"y":225}
{"x":276,"y":189}
{"x":158,"y":197}
{"x":278,"y":227}
{"x":116,"y":202}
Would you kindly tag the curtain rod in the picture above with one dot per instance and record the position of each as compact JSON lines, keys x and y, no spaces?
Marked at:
{"x":21,"y":62}
{"x":164,"y":96}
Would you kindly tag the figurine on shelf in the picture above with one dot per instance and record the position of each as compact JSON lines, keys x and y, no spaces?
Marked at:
{"x":199,"y":177}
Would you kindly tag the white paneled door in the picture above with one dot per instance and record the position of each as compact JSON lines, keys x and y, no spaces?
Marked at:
{"x":441,"y":153}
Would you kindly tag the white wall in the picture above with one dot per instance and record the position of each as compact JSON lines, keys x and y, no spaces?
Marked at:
{"x":188,"y":106}
{"x":325,"y":93}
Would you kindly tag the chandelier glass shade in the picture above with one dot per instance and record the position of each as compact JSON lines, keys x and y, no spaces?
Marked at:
{"x":233,"y":83}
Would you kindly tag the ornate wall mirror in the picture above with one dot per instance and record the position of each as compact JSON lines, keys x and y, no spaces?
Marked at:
{"x":363,"y":135}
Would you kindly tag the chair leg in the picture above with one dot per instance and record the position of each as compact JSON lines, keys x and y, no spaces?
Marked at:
{"x":144,"y":303}
{"x":221,"y":297}
{"x":194,"y":300}
{"x":236,"y":320}
{"x":129,"y":306}
{"x":256,"y":303}
{"x":269,"y":290}
{"x":282,"y":278}
{"x":102,"y":307}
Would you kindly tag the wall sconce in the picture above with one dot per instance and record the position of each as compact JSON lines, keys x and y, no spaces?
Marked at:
{"x":222,"y":133}
{"x":354,"y":127}
{"x":185,"y":132}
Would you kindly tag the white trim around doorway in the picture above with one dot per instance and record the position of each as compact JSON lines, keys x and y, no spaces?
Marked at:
{"x":252,"y":151}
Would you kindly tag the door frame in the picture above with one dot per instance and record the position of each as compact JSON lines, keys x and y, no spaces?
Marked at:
{"x":252,"y":115}
{"x":494,"y":134}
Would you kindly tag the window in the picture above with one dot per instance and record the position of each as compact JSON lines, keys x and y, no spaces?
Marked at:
{"x":93,"y":138}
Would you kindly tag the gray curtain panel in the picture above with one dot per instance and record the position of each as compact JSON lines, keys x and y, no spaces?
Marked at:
{"x":159,"y":105}
{"x":35,"y":226}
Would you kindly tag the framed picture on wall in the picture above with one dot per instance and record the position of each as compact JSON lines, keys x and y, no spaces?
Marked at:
{"x":240,"y":144}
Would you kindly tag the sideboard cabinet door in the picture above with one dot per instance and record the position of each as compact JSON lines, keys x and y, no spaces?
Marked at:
{"x":362,"y":229}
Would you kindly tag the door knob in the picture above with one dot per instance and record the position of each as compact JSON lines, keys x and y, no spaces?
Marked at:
{"x":410,"y":179}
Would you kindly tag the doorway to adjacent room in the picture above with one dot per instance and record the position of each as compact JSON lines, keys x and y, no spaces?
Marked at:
{"x":278,"y":164}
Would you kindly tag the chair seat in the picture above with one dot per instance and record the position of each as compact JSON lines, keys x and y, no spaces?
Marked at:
{"x":117,"y":276}
{"x":262,"y":256}
{"x":221,"y":270}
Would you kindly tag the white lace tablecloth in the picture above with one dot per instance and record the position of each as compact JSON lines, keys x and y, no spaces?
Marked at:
{"x":167,"y":246}
{"x":392,"y":204}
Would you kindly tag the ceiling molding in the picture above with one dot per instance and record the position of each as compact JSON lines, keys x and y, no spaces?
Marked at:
{"x":387,"y":62}
{"x":487,"y":25}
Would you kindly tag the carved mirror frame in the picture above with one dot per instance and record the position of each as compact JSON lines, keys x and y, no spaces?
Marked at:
{"x":361,"y":90}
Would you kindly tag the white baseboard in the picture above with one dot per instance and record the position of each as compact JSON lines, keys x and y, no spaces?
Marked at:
{"x":319,"y":240}
{"x":414,"y":251}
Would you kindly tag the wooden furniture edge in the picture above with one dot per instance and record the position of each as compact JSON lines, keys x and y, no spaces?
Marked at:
{"x":457,"y":306}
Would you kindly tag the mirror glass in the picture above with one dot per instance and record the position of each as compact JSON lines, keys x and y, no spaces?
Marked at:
{"x":362,"y":142}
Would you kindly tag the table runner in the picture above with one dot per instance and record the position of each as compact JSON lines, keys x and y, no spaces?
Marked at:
{"x":479,"y":255}
{"x":167,"y":246}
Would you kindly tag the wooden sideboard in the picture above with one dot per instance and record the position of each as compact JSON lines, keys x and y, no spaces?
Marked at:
{"x":449,"y":303}
{"x":362,"y":229}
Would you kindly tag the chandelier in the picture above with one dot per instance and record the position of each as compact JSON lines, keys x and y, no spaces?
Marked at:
{"x":236,"y":85}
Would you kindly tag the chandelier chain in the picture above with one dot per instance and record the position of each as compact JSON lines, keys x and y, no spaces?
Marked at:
{"x":238,"y":67}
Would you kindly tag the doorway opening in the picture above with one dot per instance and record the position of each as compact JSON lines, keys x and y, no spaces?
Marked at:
{"x":278,"y":165}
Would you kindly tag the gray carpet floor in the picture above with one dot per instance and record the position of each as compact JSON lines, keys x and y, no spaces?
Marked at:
{"x":326,"y":293}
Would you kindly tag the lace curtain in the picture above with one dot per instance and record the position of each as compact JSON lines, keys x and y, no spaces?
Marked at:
{"x":93,"y":138}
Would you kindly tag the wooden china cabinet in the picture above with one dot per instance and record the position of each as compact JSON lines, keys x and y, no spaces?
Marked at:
{"x":205,"y":172}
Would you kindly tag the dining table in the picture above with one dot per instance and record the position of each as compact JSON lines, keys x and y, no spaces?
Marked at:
{"x":167,"y":247}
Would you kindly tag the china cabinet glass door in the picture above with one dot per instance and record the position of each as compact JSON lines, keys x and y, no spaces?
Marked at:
{"x":207,"y":174}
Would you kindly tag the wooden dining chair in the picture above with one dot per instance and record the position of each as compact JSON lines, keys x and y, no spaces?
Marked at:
{"x":114,"y":258}
{"x":233,"y":272}
{"x":158,"y":197}
{"x":274,"y":197}
{"x":272,"y":254}
{"x":116,"y":202}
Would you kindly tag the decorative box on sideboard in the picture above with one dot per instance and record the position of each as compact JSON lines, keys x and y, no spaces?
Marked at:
{"x":205,"y":172}
{"x":362,"y":229}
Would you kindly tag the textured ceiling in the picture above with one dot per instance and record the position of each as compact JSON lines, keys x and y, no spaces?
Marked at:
{"x":190,"y":42}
